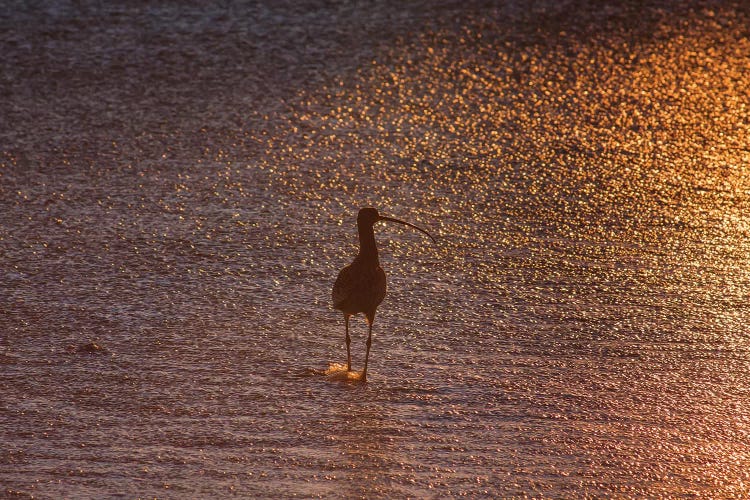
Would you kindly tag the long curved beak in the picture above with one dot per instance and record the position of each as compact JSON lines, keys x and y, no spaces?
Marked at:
{"x":391,"y":219}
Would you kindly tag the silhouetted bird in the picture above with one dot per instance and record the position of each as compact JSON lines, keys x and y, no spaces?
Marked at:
{"x":360,"y":286}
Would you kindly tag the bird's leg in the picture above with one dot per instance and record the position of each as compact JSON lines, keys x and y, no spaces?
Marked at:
{"x":367,"y":352}
{"x":348,"y":343}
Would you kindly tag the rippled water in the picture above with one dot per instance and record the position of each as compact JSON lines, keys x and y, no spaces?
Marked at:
{"x":179,"y":186}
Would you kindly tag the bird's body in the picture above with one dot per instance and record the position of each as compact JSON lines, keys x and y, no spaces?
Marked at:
{"x":361,"y":286}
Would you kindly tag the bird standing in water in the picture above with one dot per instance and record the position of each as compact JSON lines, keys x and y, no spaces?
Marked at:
{"x":360,"y":286}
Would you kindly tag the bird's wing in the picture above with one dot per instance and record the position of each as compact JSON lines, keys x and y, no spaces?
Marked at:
{"x":343,"y":287}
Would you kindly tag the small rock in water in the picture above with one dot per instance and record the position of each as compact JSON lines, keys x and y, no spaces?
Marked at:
{"x":91,"y":348}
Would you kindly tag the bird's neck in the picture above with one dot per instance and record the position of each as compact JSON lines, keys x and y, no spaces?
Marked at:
{"x":367,"y":249}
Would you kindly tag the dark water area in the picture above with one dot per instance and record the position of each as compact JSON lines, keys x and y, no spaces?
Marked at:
{"x":179,"y":183}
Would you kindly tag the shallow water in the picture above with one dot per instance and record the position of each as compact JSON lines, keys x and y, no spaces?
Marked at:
{"x":179,"y":186}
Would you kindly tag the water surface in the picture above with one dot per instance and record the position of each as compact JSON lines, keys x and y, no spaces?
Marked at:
{"x":179,"y":186}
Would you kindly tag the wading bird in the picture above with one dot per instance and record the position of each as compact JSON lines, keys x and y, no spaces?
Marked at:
{"x":360,"y":286}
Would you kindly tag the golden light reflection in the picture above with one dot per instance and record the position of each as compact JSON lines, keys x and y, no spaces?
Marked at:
{"x":592,"y":187}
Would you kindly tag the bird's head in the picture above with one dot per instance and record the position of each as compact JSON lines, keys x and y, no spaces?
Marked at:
{"x":368,"y":216}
